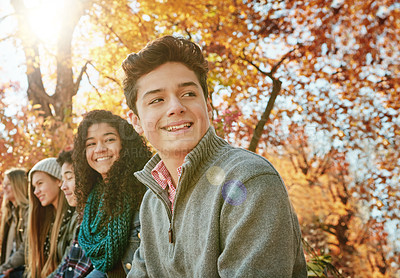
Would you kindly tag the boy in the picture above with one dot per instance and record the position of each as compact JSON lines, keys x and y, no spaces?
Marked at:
{"x":75,"y":263}
{"x":212,"y":210}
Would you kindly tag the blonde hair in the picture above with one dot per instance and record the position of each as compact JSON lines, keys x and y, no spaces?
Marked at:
{"x":40,"y":223}
{"x":19,"y":185}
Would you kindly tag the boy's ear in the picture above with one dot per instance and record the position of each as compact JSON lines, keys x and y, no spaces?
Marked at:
{"x":135,"y":122}
{"x":209,"y":110}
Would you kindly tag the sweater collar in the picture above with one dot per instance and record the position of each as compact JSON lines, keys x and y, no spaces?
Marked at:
{"x":194,"y":161}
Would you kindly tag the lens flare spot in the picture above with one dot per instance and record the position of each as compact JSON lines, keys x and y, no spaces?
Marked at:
{"x":234,"y":192}
{"x":215,"y":175}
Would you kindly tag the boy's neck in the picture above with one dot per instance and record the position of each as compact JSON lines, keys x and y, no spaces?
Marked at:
{"x":172,"y":163}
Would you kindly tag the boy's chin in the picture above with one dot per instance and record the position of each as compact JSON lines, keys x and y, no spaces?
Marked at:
{"x":180,"y":151}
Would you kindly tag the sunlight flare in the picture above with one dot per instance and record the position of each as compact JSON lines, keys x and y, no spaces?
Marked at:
{"x":44,"y":17}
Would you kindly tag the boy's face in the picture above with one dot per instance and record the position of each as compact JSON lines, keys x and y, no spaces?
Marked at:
{"x":68,"y":183}
{"x":172,"y":111}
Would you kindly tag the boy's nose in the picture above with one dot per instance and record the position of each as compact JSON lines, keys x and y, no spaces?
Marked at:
{"x":63,"y":185}
{"x":176,"y":107}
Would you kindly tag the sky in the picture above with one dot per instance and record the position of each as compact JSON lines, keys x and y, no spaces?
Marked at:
{"x":12,"y":60}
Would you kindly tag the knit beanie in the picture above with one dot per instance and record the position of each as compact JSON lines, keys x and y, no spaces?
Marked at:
{"x":49,"y":166}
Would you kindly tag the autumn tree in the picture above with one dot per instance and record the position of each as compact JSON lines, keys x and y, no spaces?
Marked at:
{"x":276,"y":68}
{"x":328,"y":66}
{"x":43,"y":127}
{"x":57,"y":103}
{"x":335,"y":223}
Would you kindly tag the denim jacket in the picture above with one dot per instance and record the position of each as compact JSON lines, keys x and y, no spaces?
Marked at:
{"x":134,"y":242}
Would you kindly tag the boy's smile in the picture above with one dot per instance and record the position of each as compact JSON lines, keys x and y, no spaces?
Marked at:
{"x":172,"y":111}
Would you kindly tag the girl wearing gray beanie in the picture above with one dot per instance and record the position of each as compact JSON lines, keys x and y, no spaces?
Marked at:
{"x":51,"y":220}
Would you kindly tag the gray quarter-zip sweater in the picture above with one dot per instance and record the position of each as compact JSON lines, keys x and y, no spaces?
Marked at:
{"x":232,"y":218}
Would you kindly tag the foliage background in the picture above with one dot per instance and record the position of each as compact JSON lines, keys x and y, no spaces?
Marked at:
{"x":311,"y":85}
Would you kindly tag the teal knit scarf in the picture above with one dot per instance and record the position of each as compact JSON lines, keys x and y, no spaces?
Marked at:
{"x":104,"y":244}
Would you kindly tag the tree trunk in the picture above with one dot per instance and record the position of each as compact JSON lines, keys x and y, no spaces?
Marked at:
{"x":258,"y":131}
{"x":58,"y":104}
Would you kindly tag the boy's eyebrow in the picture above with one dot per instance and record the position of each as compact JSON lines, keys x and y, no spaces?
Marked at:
{"x":180,"y":85}
{"x":188,"y":84}
{"x":151,"y":92}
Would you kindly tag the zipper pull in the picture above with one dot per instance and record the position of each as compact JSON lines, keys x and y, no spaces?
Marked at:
{"x":170,"y":236}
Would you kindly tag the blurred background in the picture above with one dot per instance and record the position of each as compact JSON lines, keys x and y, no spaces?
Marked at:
{"x":313,"y":86}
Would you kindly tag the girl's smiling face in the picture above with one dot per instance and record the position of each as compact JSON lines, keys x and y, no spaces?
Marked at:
{"x":103,"y":145}
{"x":46,"y":188}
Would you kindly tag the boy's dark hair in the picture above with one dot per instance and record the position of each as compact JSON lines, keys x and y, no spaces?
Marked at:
{"x":120,"y":184}
{"x":156,"y":53}
{"x":64,"y":157}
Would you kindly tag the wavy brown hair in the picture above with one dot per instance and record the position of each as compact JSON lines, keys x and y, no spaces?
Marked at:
{"x":120,"y":183}
{"x":156,"y":53}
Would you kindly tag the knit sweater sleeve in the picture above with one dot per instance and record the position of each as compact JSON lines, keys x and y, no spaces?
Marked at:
{"x":260,"y":236}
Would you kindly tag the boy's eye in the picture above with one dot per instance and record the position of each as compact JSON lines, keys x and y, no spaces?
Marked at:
{"x":190,"y":94}
{"x":156,"y":100}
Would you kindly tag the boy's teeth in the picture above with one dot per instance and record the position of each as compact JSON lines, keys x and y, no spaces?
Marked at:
{"x":171,"y":128}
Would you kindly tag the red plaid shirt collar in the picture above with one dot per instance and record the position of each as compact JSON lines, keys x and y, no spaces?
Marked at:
{"x":164,"y":179}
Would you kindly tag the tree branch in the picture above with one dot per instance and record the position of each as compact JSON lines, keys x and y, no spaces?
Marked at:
{"x":106,"y":76}
{"x":244,"y":58}
{"x":274,"y":68}
{"x":112,"y":31}
{"x":79,"y":79}
{"x":4,"y":17}
{"x":91,"y":84}
{"x":5,"y":38}
{"x":276,"y":87}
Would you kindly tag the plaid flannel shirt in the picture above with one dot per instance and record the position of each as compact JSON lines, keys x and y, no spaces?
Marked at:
{"x":75,"y":264}
{"x":164,"y":179}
